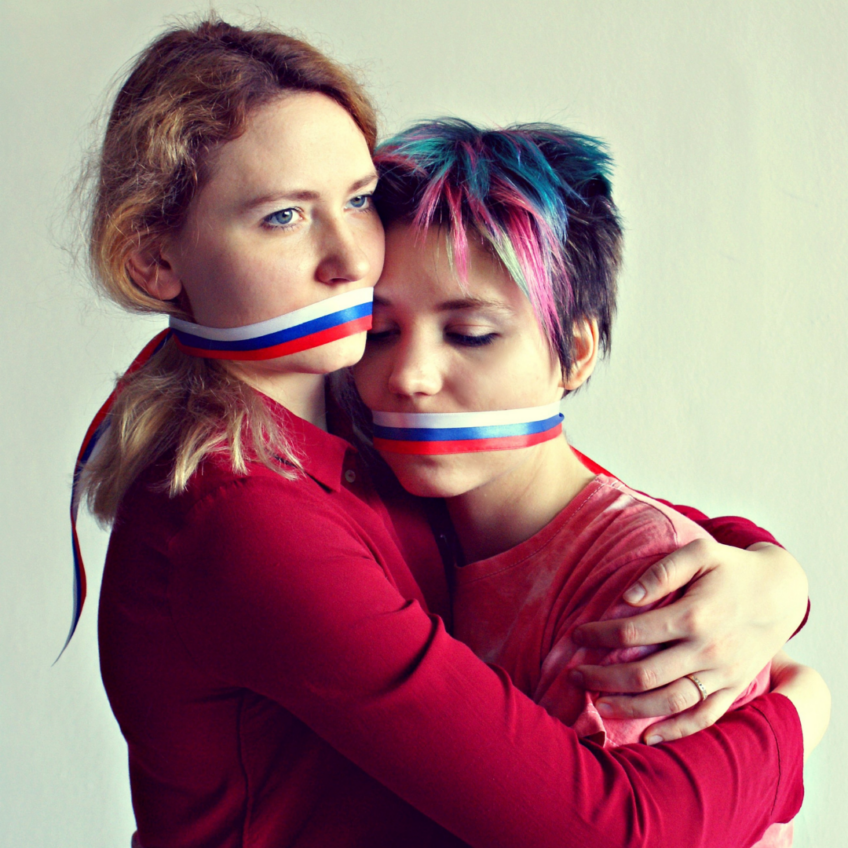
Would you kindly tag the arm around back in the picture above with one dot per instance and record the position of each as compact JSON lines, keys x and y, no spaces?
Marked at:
{"x":303,"y":607}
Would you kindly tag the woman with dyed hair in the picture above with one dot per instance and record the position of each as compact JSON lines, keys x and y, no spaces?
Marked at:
{"x":497,"y":296}
{"x":268,"y":626}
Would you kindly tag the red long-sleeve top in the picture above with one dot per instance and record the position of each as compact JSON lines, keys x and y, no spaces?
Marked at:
{"x":271,"y":652}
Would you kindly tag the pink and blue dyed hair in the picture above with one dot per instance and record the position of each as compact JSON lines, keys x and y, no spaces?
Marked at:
{"x":539,"y":194}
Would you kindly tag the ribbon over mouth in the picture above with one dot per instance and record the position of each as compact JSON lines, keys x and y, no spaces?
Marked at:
{"x":439,"y":433}
{"x":314,"y":325}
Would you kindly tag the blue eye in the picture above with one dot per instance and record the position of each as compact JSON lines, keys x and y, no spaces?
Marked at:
{"x":281,"y":218}
{"x":361,"y":201}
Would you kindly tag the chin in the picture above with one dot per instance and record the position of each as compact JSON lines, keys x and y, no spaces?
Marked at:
{"x":429,"y":476}
{"x":327,"y":358}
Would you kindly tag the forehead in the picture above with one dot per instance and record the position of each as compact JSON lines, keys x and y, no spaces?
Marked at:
{"x":419,"y":265}
{"x":302,"y":141}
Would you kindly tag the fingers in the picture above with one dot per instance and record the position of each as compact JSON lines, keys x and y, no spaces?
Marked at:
{"x":681,"y":695}
{"x":658,"y":669}
{"x":648,"y":628}
{"x":671,"y":573}
{"x":690,"y":721}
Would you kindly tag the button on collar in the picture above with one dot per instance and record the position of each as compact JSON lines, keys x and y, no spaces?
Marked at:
{"x":350,"y":475}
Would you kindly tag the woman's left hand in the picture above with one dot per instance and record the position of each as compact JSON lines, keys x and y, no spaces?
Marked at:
{"x":739,"y":609}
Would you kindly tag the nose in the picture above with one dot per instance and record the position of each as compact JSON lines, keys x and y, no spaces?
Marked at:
{"x":342,"y":259}
{"x":415,"y":369}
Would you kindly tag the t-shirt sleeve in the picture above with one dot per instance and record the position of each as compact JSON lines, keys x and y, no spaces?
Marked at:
{"x":727,"y":529}
{"x":570,"y":702}
{"x":297,"y":607}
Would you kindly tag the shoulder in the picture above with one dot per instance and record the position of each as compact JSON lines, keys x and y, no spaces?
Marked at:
{"x":261,"y":547}
{"x":215,"y":486}
{"x":258,"y":514}
{"x":262,"y":511}
{"x":628,"y":525}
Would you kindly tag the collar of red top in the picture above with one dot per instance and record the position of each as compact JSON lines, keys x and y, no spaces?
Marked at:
{"x":321,"y":454}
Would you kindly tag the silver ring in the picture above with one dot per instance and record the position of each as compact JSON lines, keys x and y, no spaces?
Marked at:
{"x":702,"y":691}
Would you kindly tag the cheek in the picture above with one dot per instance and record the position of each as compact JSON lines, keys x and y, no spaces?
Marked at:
{"x":219,"y":266}
{"x":267,"y":281}
{"x":372,"y":240}
{"x":531,"y":376}
{"x":370,"y":377}
{"x":497,"y":378}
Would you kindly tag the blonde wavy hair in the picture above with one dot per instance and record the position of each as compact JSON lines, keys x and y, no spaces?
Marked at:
{"x":193,"y":89}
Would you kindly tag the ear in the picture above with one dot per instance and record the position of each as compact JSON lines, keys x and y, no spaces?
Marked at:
{"x":150,"y":271}
{"x":585,"y":349}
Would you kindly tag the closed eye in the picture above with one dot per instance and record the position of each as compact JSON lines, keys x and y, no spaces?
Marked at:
{"x":377,"y":336}
{"x":466,"y":340}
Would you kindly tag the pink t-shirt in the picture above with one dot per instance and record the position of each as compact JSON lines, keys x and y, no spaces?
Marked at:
{"x":518,"y":610}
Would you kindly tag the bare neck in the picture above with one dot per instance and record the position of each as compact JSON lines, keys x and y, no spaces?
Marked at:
{"x":301,"y":394}
{"x":511,"y":508}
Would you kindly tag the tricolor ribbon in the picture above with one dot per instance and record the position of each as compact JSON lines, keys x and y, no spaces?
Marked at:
{"x":591,"y":464}
{"x":95,"y":432}
{"x":317,"y":324}
{"x":434,"y":433}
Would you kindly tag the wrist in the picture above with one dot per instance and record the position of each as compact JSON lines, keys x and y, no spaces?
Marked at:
{"x":784,"y":601}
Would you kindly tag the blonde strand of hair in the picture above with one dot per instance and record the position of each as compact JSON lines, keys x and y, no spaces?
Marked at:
{"x":190,"y":408}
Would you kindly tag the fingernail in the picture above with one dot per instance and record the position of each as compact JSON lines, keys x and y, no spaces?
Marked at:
{"x":635,"y":593}
{"x":603,"y":708}
{"x":576,"y":678}
{"x":654,"y":740}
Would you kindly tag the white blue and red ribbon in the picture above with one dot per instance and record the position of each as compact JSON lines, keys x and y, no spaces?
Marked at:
{"x":435,"y":433}
{"x":95,"y":432}
{"x":314,"y":325}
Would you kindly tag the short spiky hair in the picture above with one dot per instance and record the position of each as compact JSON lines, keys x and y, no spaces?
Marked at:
{"x":538,"y":194}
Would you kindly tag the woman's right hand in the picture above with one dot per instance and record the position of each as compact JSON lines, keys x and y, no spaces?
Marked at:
{"x":806,"y":688}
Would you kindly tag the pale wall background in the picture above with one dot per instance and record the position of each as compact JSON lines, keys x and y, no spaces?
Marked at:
{"x":727,"y":385}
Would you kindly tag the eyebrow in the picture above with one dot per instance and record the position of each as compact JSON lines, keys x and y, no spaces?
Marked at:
{"x":303,"y":194}
{"x":458,"y":304}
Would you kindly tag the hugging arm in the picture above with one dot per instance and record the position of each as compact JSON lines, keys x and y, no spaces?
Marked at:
{"x":325,"y":634}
